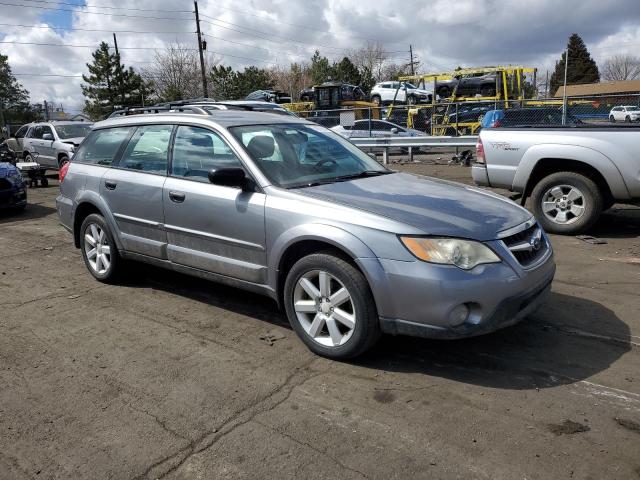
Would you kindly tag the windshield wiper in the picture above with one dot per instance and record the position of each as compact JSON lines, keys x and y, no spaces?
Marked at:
{"x":343,"y":178}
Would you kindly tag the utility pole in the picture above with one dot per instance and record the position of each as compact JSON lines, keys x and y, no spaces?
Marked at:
{"x":46,"y":111}
{"x":119,"y":70}
{"x":413,"y":71}
{"x":205,"y":90}
{"x":564,"y":88}
{"x":2,"y":123}
{"x":546,"y":85}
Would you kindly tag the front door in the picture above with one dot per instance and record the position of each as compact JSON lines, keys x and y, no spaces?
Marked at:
{"x":133,"y":190}
{"x":210,"y":227}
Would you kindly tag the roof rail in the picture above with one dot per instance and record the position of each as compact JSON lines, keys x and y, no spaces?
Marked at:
{"x":157,"y":110}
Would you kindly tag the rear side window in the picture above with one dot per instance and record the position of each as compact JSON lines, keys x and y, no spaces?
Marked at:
{"x":101,"y":146}
{"x":148,"y":149}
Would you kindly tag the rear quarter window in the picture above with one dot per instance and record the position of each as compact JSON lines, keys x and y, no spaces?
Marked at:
{"x":101,"y":146}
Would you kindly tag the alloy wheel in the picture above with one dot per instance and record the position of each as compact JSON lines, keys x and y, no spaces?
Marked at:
{"x":324,"y":308}
{"x":563,"y":204}
{"x":97,"y":249}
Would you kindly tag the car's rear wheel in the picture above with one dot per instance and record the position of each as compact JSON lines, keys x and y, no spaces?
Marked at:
{"x":28,"y":157}
{"x":567,"y":202}
{"x":488,"y":92}
{"x":330,"y":306}
{"x":99,"y":250}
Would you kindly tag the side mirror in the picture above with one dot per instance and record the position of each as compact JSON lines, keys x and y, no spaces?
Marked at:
{"x":231,"y":177}
{"x":394,"y":130}
{"x":47,"y":136}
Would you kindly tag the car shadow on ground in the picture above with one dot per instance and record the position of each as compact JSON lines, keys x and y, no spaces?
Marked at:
{"x":557,"y":345}
{"x":621,"y":221}
{"x":31,"y":212}
{"x":568,"y":339}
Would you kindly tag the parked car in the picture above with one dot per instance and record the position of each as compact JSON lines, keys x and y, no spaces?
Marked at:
{"x":626,"y":113}
{"x":375,"y":128}
{"x":347,"y":247}
{"x":385,"y":92}
{"x":484,"y":85}
{"x":252,"y":105}
{"x":468,"y":113}
{"x":13,"y":194}
{"x":571,"y":173}
{"x":53,"y":143}
{"x":15,"y":141}
{"x":273,"y":96}
{"x":520,"y":117}
{"x":307,"y":95}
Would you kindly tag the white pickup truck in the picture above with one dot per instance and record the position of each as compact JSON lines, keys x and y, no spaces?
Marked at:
{"x":571,"y":174}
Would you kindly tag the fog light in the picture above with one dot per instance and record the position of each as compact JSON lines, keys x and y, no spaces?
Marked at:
{"x":459,"y":315}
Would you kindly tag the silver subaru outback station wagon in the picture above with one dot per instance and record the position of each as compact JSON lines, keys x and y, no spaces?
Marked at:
{"x":286,"y":208}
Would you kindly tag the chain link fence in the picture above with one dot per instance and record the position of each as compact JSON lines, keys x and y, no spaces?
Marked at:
{"x":467,"y":118}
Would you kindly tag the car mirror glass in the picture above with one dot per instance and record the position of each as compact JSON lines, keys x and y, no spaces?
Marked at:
{"x":47,"y":136}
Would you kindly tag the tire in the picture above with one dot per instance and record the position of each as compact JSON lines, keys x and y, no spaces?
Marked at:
{"x":332,"y":338}
{"x":44,"y":181}
{"x":487,"y":92}
{"x":411,"y":100}
{"x":110,"y":273}
{"x":627,"y":119}
{"x":444,"y":92}
{"x":63,"y":159}
{"x":612,"y":119}
{"x":28,"y":157}
{"x":561,"y":189}
{"x":376,"y":99}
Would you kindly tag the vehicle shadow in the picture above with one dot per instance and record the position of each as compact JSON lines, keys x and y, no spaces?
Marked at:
{"x":559,"y":344}
{"x":621,"y":221}
{"x":31,"y":212}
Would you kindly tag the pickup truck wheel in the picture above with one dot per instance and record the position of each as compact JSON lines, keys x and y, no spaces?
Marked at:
{"x":99,"y":250}
{"x":330,"y":306}
{"x":566,"y":202}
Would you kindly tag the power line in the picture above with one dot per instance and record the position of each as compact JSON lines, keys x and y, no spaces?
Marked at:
{"x":91,"y":29}
{"x":95,"y":13}
{"x":109,"y":8}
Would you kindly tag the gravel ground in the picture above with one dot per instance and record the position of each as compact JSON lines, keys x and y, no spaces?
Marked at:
{"x":172,"y":377}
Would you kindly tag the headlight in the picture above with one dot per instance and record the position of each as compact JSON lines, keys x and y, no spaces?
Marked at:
{"x":464,"y":254}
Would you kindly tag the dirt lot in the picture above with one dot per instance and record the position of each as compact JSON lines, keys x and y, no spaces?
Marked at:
{"x":173,"y":377}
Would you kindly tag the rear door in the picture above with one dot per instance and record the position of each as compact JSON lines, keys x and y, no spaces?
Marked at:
{"x":211,"y":227}
{"x":133,"y":190}
{"x":45,"y":148}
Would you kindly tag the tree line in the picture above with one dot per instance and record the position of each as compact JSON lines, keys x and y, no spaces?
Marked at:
{"x":175,"y":74}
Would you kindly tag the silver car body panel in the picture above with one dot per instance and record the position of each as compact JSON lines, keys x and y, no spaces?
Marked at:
{"x":240,"y":238}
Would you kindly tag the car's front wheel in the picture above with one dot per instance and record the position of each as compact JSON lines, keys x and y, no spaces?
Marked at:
{"x":99,"y":250}
{"x":566,"y":202}
{"x":612,"y":119}
{"x":330,"y":306}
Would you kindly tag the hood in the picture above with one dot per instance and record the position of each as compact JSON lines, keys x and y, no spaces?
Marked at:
{"x":7,"y":169}
{"x":434,"y":206}
{"x":73,"y":141}
{"x":420,"y":91}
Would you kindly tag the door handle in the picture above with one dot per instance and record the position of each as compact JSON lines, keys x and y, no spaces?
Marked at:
{"x":177,"y":197}
{"x":110,"y":185}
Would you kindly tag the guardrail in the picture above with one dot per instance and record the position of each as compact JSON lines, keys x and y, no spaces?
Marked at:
{"x":385,"y":143}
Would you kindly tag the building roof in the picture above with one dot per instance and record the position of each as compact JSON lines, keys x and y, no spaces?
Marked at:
{"x":602,"y":88}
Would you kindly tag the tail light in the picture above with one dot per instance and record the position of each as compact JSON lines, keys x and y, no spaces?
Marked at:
{"x":63,"y":171}
{"x":497,"y":124}
{"x":480,"y":152}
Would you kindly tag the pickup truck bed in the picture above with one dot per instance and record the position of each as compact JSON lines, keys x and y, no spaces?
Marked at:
{"x":570,"y":173}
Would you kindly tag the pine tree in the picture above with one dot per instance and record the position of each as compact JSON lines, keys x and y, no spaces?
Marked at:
{"x":12,"y":95}
{"x":346,"y":71}
{"x":320,"y":69}
{"x":581,"y":68}
{"x":110,"y":85}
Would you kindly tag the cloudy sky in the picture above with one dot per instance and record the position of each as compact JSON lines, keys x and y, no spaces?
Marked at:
{"x":444,"y":33}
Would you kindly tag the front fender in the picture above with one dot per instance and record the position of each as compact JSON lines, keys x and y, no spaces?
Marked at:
{"x":588,"y":156}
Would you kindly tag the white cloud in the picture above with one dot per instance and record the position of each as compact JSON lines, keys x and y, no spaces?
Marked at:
{"x":444,"y":34}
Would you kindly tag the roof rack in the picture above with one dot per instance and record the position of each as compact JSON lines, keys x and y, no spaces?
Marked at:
{"x":158,"y":109}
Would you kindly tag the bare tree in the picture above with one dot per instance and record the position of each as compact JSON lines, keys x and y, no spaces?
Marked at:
{"x":175,"y":72}
{"x":291,"y":80}
{"x":621,"y":67}
{"x":370,"y":58}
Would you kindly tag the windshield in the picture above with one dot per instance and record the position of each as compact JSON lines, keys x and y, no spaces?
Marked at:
{"x":73,"y":131}
{"x":298,"y":155}
{"x":409,"y":85}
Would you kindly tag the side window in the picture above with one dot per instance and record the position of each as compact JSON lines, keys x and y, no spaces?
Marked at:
{"x":148,"y":149}
{"x":36,"y":132}
{"x":101,"y":146}
{"x":196,"y":151}
{"x":46,"y":129}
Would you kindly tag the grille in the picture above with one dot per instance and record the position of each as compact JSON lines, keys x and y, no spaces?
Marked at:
{"x":527,"y":246}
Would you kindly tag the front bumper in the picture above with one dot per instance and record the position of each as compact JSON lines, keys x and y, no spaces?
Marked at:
{"x":417,"y":298}
{"x":13,"y":198}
